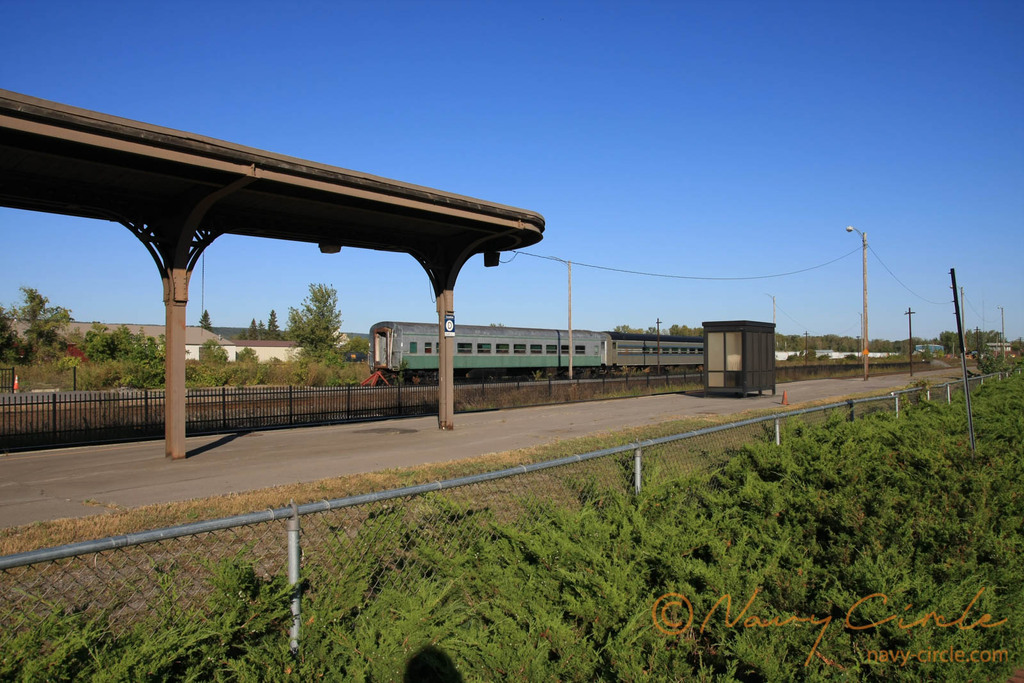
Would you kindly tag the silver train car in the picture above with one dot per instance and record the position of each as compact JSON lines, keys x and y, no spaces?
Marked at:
{"x":496,"y":351}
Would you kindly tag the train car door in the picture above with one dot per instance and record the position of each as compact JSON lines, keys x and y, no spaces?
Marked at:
{"x":382,"y":348}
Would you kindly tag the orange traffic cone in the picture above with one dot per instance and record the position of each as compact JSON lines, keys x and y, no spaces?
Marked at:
{"x":15,"y":384}
{"x":785,"y":398}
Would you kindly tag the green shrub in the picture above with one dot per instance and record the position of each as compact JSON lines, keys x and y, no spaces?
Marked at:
{"x":817,"y":529}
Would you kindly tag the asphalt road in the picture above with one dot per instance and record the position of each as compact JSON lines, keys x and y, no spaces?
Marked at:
{"x":79,"y":482}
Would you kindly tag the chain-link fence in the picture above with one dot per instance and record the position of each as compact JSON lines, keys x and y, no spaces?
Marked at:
{"x":350,"y":549}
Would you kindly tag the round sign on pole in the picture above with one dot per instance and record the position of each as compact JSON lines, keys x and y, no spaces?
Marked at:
{"x":449,"y":325}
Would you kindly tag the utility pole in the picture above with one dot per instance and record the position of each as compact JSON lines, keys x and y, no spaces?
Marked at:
{"x":957,"y":311}
{"x":658,"y":321}
{"x":569,"y":263}
{"x":773,"y":306}
{"x":805,"y":349}
{"x":963,"y":312}
{"x":864,"y":241}
{"x":1002,"y":333}
{"x":910,"y":342}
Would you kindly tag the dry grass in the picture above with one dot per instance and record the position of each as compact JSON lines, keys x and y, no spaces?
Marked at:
{"x":115,"y":521}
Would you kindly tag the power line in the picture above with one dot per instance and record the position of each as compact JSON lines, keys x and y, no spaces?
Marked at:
{"x":879,"y":258}
{"x":798,"y":323}
{"x":720,"y":279}
{"x":684,"y":277}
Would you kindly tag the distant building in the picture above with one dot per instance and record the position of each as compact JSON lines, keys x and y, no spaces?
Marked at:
{"x":828,"y":354}
{"x":998,"y":348}
{"x":195,"y":337}
{"x":930,"y":348}
{"x":265,"y":349}
{"x":268,"y":350}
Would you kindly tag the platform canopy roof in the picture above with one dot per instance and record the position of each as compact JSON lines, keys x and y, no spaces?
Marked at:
{"x":65,"y":160}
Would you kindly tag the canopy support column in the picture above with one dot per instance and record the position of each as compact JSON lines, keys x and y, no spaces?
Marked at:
{"x":445,"y":364}
{"x":175,"y":241}
{"x":443,"y":263}
{"x":174,"y":380}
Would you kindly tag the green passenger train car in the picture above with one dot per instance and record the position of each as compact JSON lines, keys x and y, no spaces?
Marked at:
{"x":480,"y":350}
{"x":483,"y":350}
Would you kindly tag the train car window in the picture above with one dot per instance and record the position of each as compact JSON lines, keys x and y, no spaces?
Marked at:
{"x":552,"y":349}
{"x":412,"y":347}
{"x":501,"y":348}
{"x":519,"y":349}
{"x":427,"y":347}
{"x":565,"y":349}
{"x":536,"y":348}
{"x":483,"y":348}
{"x":580,"y":349}
{"x":465,"y":347}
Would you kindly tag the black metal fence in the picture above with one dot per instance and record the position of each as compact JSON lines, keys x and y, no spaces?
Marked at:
{"x":6,"y":380}
{"x":43,"y":420}
{"x":66,"y":418}
{"x":792,"y":372}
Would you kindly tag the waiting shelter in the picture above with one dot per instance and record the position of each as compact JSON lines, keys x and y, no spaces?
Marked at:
{"x":739,"y":357}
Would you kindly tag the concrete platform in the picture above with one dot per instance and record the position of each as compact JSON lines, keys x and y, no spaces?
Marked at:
{"x":79,"y":482}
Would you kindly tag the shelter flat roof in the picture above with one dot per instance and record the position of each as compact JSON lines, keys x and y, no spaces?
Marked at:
{"x":61,"y":159}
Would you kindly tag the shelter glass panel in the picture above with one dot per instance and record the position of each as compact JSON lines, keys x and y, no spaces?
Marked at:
{"x":734,"y":351}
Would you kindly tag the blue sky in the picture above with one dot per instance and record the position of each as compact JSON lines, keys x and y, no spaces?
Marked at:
{"x":691,"y":139}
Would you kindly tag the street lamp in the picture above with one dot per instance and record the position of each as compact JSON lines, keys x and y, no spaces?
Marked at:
{"x":864,"y":331}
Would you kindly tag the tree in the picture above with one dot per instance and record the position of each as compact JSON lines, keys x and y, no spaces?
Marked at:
{"x":627,"y":329}
{"x":122,"y":345}
{"x":684,"y":331}
{"x":251,"y":332}
{"x":273,"y":330}
{"x":212,"y":353}
{"x":316,"y":327}
{"x":356,"y":345}
{"x":204,"y":321}
{"x":8,"y":338}
{"x":44,"y":325}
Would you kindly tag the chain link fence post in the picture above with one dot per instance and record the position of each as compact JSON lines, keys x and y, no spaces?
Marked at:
{"x":294,"y":559}
{"x":778,"y":436}
{"x":637,"y":454}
